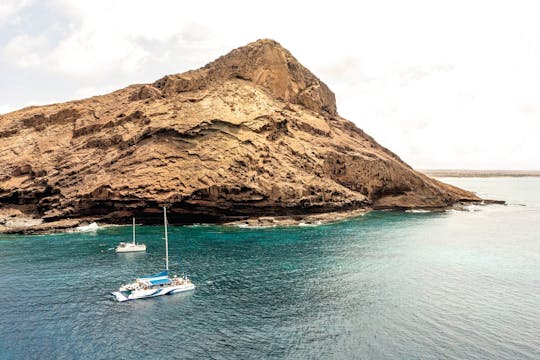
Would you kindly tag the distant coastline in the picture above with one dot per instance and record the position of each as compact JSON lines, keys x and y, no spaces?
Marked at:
{"x":479,"y":173}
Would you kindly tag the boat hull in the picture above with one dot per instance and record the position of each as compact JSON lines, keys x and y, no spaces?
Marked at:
{"x":122,"y":296}
{"x":133,"y":248}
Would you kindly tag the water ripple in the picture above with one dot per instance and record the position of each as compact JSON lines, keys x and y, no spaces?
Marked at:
{"x":462,"y":285}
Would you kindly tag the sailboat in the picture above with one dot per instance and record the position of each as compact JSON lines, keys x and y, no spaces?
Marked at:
{"x":155,"y":285}
{"x":132,"y":246}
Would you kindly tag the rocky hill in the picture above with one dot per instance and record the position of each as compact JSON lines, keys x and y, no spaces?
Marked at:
{"x":253,"y":133}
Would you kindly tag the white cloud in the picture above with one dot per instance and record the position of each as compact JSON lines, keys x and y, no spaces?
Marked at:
{"x":10,"y":8}
{"x":5,"y":108}
{"x":107,"y":37}
{"x":87,"y":52}
{"x":25,"y":51}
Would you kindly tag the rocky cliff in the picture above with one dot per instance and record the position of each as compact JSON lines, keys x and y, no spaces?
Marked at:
{"x":252,"y":133}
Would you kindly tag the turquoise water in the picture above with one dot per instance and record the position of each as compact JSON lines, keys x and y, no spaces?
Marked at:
{"x":389,"y":285}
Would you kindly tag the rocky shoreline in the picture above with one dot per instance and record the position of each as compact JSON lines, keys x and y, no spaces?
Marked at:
{"x":15,"y":222}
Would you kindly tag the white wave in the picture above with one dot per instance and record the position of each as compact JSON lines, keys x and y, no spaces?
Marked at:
{"x":257,"y":226}
{"x":316,"y":223}
{"x":198,"y":225}
{"x":417,"y":211}
{"x":467,"y":208}
{"x":87,"y":228}
{"x":473,"y":207}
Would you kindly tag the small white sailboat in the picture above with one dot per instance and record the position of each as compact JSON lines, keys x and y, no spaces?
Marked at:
{"x":155,"y":285}
{"x":130,"y":246}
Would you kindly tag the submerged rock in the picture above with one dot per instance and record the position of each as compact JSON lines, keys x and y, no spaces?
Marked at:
{"x":253,"y":133}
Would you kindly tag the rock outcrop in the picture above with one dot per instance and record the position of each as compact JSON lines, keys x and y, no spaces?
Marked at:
{"x":253,"y":133}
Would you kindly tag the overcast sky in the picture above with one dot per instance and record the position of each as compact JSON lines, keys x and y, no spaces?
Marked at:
{"x":444,"y":84}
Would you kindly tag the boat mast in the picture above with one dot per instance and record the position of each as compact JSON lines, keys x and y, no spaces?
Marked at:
{"x":166,"y":239}
{"x":133,"y":231}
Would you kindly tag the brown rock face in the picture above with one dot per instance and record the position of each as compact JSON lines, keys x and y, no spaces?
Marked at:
{"x":253,"y":133}
{"x":263,"y":63}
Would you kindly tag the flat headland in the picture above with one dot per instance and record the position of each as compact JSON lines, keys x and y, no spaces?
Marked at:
{"x":479,"y":173}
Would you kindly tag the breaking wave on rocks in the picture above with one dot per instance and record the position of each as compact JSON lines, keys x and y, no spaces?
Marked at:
{"x":87,"y":228}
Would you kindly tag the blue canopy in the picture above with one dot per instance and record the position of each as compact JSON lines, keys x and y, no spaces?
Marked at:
{"x":160,"y":281}
{"x":161,"y":274}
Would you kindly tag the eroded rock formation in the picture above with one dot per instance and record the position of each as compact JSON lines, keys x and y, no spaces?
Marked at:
{"x":252,"y":133}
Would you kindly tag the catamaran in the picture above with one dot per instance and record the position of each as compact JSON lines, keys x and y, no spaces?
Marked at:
{"x":130,"y":246}
{"x":155,"y":285}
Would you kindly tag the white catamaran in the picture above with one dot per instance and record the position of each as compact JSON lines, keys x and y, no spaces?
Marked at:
{"x":155,"y":285}
{"x":130,"y":246}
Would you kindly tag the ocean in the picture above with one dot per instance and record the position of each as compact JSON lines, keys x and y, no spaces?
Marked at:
{"x":387,"y":285}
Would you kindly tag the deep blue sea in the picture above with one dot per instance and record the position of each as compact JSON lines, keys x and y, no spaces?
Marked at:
{"x":388,"y":285}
